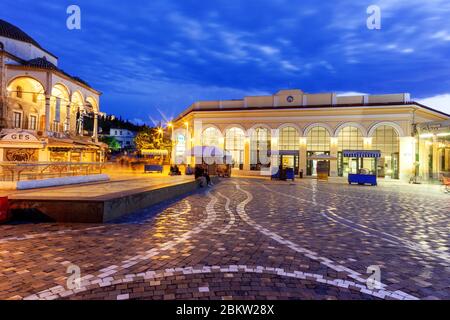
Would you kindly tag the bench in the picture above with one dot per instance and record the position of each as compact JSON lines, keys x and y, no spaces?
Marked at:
{"x":150,"y":168}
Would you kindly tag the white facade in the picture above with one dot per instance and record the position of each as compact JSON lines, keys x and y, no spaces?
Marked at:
{"x":123,"y":136}
{"x":42,"y":103}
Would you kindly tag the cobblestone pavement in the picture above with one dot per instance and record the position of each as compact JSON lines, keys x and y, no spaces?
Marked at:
{"x":244,"y":239}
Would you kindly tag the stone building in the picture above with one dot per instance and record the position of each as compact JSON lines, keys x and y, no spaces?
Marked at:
{"x":255,"y":131}
{"x":43,"y":108}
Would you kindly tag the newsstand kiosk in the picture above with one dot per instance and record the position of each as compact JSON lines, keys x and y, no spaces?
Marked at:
{"x":363,"y":176}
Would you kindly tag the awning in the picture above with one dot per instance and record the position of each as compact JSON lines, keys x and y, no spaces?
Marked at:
{"x":287,"y":152}
{"x":322,"y":157}
{"x":60,"y":143}
{"x":361,"y":154}
{"x":154,"y":152}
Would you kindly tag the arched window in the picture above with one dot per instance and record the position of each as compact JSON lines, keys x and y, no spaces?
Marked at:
{"x":317,"y":143}
{"x":19,"y":92}
{"x":260,"y":148}
{"x":350,"y":138}
{"x":386,"y":139}
{"x":318,"y":140}
{"x":234,"y":145}
{"x":289,"y":139}
{"x":211,"y":137}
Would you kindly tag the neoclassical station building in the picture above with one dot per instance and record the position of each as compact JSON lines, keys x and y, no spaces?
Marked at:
{"x":255,"y":131}
{"x":42,"y":108}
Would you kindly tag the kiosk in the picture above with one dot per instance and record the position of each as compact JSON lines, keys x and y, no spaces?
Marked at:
{"x":323,"y":165}
{"x":363,"y":175}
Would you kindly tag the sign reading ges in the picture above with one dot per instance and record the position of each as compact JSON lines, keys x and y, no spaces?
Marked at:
{"x":19,"y":137}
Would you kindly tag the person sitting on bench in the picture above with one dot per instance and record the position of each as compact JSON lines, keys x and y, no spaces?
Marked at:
{"x":199,"y":176}
{"x":174,"y":171}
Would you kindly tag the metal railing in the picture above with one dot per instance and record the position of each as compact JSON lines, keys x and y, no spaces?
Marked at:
{"x":18,"y":171}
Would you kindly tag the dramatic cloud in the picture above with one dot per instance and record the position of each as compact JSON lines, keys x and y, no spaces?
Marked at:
{"x":148,"y":56}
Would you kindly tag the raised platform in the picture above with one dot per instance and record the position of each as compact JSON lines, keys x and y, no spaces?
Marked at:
{"x":51,"y":182}
{"x":98,"y":202}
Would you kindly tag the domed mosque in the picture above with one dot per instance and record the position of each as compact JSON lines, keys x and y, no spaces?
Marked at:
{"x":43,"y":109}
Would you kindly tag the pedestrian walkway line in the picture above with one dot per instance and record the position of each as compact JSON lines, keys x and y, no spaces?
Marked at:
{"x":173,"y":272}
{"x":307,"y":253}
{"x":230,"y":213}
{"x":329,"y":214}
{"x":104,"y":276}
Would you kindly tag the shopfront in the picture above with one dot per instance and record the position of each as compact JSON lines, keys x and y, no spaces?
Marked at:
{"x":256,"y":131}
{"x":433,"y":145}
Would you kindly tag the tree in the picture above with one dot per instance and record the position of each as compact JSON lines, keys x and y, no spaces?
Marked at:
{"x":112,"y":143}
{"x":152,"y":138}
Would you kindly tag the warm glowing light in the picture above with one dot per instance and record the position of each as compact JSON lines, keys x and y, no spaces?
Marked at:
{"x":170,"y":124}
{"x":445,"y":134}
{"x":302,"y":140}
{"x":334,"y":141}
{"x":368,"y":141}
{"x":160,"y":131}
{"x":426,"y":135}
{"x":186,"y":124}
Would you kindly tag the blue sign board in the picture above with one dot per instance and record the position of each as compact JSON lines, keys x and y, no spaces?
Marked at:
{"x":361,"y":154}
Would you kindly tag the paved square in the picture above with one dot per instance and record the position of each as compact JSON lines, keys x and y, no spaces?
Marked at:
{"x":244,"y":239}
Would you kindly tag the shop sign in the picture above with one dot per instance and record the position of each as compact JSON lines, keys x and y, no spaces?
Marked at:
{"x":361,"y":154}
{"x":19,"y":137}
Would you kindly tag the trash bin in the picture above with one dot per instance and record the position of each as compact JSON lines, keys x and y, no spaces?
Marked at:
{"x":301,"y":173}
{"x":4,"y":209}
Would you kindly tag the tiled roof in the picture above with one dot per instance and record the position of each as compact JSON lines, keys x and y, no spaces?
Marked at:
{"x":10,"y":31}
{"x":43,"y":63}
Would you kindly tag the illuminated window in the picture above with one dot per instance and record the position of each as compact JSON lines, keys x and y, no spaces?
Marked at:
{"x":386,"y":140}
{"x":318,"y":139}
{"x":17,"y":119}
{"x":350,"y":138}
{"x":32,"y":122}
{"x":210,"y":137}
{"x":289,"y":139}
{"x":234,"y":145}
{"x":260,"y":148}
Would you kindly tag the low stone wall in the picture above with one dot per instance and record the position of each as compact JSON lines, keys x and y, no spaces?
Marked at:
{"x":52,"y":182}
{"x":98,"y":210}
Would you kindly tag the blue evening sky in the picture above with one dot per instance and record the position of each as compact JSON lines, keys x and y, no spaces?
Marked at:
{"x":152,"y":59}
